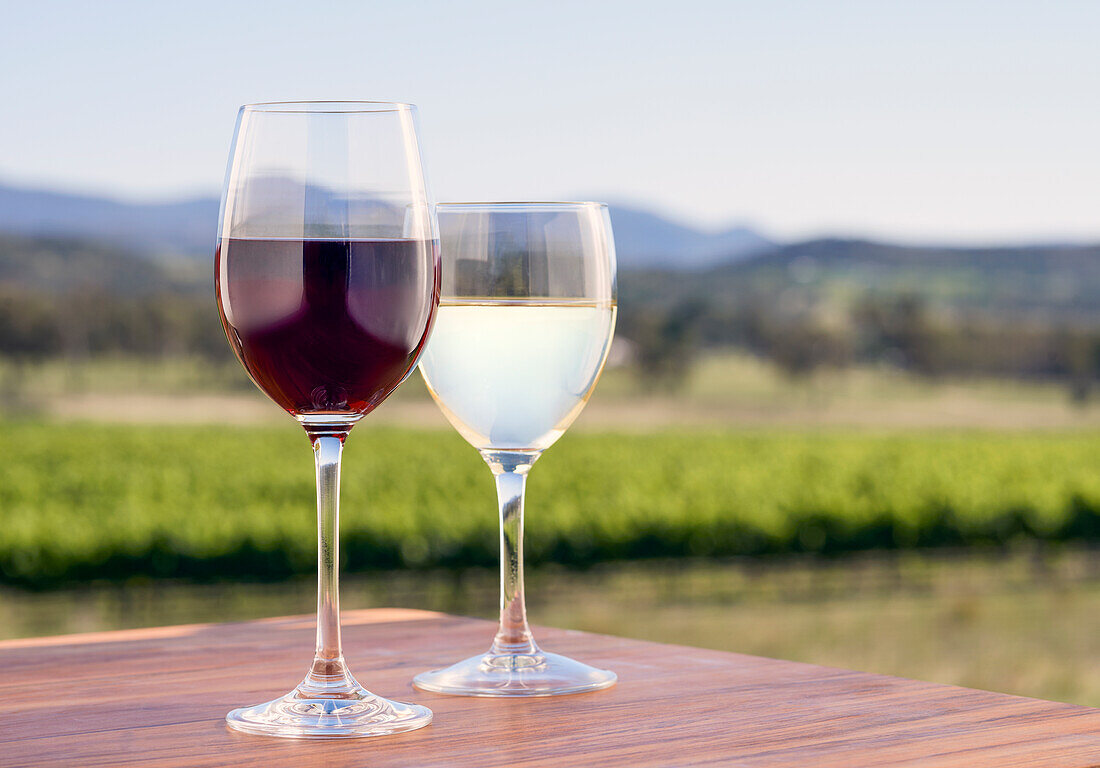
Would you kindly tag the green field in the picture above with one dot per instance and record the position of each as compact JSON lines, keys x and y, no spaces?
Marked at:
{"x":82,"y":500}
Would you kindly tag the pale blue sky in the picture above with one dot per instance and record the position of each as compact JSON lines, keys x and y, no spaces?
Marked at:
{"x":921,"y":120}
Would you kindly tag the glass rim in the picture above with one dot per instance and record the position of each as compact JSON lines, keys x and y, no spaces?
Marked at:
{"x":328,"y":106}
{"x":521,"y":204}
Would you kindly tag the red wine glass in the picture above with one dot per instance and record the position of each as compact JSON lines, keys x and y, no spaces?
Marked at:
{"x":327,"y":278}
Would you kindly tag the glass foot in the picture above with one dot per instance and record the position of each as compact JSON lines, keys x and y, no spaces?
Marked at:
{"x":353,"y":713}
{"x":529,"y":674}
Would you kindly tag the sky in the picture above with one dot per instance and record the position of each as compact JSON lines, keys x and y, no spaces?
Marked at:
{"x":924,"y":121}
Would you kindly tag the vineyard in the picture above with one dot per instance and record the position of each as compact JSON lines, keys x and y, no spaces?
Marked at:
{"x":86,"y":501}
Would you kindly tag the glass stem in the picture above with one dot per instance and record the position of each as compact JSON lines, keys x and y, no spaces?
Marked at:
{"x":328,"y":675}
{"x":510,"y":470}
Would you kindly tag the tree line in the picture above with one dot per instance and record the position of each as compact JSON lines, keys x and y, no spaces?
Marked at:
{"x":904,"y":331}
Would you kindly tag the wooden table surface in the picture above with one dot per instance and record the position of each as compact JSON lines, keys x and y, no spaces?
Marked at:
{"x":156,"y":697}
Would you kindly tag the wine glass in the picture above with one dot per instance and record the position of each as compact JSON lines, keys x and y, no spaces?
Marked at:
{"x":327,"y":277}
{"x":525,"y":322}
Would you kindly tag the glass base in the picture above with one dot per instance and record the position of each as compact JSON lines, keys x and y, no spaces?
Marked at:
{"x":528,"y":674}
{"x":350,"y":714}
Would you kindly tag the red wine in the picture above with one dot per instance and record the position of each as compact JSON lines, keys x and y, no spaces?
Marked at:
{"x":327,"y":326}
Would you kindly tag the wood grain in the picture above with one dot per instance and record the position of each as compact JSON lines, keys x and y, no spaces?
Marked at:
{"x":157,"y":697}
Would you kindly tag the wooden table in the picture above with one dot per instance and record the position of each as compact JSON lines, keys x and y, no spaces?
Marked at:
{"x":156,"y":697}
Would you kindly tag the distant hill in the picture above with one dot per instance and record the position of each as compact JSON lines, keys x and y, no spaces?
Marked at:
{"x":58,"y":265}
{"x":643,"y":239}
{"x":1057,"y":280}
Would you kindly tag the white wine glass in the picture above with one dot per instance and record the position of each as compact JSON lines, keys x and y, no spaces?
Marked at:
{"x":526,"y":316}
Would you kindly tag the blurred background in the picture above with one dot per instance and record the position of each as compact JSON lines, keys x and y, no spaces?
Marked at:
{"x":852,"y":412}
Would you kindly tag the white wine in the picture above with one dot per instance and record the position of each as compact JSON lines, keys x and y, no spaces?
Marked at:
{"x":512,"y":374}
{"x":511,"y":368}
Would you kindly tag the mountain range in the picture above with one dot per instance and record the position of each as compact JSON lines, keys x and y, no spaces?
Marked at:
{"x":52,"y":241}
{"x":644,"y":240}
{"x":157,"y":229}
